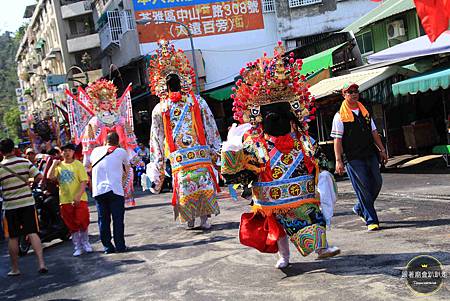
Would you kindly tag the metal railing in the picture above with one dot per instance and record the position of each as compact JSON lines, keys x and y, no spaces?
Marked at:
{"x":268,"y":6}
{"x":67,"y":2}
{"x":118,"y":23}
{"x":297,"y":3}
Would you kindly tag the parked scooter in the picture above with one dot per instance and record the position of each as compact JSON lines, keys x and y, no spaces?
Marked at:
{"x":51,"y":225}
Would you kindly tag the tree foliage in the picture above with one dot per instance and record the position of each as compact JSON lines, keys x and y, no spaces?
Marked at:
{"x":9,"y":113}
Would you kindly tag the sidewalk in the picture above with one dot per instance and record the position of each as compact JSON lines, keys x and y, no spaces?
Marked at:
{"x":413,"y":177}
{"x":412,"y":186}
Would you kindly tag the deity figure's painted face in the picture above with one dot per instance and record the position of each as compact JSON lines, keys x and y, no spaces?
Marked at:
{"x":105,"y":105}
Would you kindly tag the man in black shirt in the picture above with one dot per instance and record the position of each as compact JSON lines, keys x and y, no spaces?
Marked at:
{"x":356,"y":144}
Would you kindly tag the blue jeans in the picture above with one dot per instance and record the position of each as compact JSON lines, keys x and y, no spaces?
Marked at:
{"x":366,"y":180}
{"x":110,"y":204}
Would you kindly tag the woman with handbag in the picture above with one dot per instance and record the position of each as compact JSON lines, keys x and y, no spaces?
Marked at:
{"x":274,"y":153}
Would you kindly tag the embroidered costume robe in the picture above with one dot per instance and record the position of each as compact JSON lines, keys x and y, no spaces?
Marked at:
{"x":283,"y":184}
{"x":185,"y":132}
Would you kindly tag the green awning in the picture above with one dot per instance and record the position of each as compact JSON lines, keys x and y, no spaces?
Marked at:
{"x":321,"y":60}
{"x":39,"y":44}
{"x":383,"y":11}
{"x":220,"y":94}
{"x":441,"y":149}
{"x":432,"y":80}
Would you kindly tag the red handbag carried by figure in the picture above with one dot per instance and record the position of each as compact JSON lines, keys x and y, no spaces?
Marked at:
{"x":260,"y":232}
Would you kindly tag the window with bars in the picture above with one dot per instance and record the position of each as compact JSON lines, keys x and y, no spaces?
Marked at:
{"x":297,"y":3}
{"x":268,"y":6}
{"x":131,"y":24}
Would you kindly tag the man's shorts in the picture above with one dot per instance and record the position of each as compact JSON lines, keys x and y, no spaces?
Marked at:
{"x":21,"y":221}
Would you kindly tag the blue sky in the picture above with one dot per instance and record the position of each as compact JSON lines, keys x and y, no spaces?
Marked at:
{"x":11,"y":14}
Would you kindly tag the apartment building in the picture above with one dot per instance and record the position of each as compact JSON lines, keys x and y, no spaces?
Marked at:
{"x":61,"y":34}
{"x":305,"y":22}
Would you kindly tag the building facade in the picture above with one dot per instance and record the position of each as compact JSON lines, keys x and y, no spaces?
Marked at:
{"x":390,"y":24}
{"x":60,"y":34}
{"x":119,"y":44}
{"x":303,"y":22}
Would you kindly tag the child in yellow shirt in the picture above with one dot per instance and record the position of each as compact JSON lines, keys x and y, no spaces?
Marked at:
{"x":72,"y":178}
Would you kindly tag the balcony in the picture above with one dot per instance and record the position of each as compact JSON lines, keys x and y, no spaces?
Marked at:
{"x":114,"y":25}
{"x":70,"y":9}
{"x":83,"y":43}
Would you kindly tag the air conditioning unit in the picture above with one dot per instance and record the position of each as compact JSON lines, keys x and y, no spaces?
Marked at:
{"x":395,"y":30}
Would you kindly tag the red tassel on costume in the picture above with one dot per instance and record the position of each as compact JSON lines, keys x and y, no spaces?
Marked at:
{"x":284,"y":143}
{"x":175,"y":96}
{"x":309,"y":164}
{"x":198,"y":121}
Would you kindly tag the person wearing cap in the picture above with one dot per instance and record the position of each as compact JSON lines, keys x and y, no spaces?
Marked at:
{"x":358,"y":150}
{"x":73,"y":179}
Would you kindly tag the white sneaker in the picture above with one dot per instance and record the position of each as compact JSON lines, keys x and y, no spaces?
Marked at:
{"x":77,"y":252}
{"x":206,"y":226}
{"x":282,"y":263}
{"x":84,"y":241}
{"x":204,"y":223}
{"x":77,"y":245}
{"x":87,"y":247}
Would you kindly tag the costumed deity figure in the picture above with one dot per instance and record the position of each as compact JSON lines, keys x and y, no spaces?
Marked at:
{"x":272,"y":153}
{"x":96,"y":112}
{"x":184,"y":131}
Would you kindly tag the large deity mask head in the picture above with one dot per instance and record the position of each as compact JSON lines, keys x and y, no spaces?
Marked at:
{"x":103,"y":94}
{"x":272,"y":94}
{"x":167,"y":66}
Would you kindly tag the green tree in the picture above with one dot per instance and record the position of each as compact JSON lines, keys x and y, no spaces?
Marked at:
{"x":9,"y":113}
{"x":11,"y":120}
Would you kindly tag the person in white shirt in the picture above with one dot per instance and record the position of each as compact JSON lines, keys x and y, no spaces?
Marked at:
{"x":110,"y":166}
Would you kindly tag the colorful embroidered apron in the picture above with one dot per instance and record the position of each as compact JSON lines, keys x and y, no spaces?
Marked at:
{"x":292,"y":200}
{"x":195,"y":185}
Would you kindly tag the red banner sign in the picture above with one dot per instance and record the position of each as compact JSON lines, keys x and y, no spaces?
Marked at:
{"x":202,"y":20}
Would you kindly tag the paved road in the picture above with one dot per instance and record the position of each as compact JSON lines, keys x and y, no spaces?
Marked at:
{"x":168,"y":262}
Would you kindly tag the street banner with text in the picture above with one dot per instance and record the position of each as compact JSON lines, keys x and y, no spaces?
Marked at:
{"x":202,"y":17}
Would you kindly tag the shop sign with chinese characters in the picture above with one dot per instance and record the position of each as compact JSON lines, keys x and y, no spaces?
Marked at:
{"x":203,"y":17}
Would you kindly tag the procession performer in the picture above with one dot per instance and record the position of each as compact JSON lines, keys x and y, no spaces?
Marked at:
{"x":96,"y":112}
{"x":272,"y":153}
{"x":184,"y":131}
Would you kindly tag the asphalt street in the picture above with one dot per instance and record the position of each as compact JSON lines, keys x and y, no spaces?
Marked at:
{"x":167,"y":262}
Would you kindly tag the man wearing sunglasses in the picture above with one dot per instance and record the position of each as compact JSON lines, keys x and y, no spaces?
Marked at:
{"x":358,"y":149}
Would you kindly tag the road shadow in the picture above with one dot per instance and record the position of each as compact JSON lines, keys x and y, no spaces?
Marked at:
{"x":368,"y":264}
{"x":344,"y":213}
{"x":148,"y":206}
{"x":171,"y":246}
{"x":65,"y":271}
{"x":415,"y":223}
{"x":65,"y":299}
{"x":225,"y":226}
